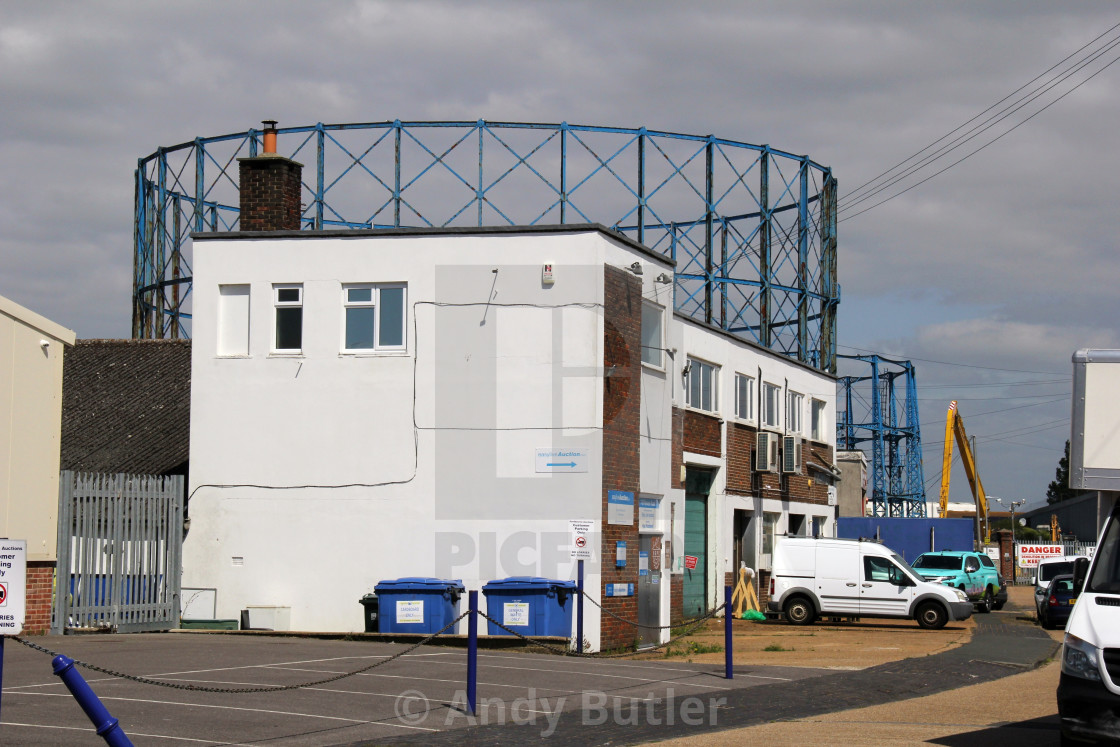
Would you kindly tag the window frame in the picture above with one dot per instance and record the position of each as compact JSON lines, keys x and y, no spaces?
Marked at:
{"x":659,"y":364}
{"x":771,"y":407}
{"x":694,"y":366}
{"x":742,"y":399}
{"x":376,"y":304}
{"x":277,"y":305}
{"x":795,"y":415}
{"x":816,"y":419}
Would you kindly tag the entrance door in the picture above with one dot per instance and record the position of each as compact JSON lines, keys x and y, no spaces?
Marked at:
{"x":698,"y":483}
{"x":649,"y":590}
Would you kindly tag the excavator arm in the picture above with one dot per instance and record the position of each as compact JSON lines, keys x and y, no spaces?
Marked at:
{"x":954,"y":429}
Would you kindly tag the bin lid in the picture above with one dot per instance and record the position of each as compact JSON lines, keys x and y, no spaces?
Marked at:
{"x":527,"y":583}
{"x":419,"y":583}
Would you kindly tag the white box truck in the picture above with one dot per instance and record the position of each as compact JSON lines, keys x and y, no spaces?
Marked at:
{"x":1089,"y":684}
{"x":812,"y":578}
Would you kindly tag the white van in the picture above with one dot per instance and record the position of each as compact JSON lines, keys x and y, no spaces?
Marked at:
{"x":856,"y":578}
{"x":1089,"y":685}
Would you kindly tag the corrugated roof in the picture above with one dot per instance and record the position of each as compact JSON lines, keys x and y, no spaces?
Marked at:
{"x":126,"y":406}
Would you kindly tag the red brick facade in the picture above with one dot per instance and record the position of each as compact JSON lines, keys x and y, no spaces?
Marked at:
{"x":702,"y":434}
{"x":40,"y":585}
{"x":270,"y":193}
{"x":622,"y":311}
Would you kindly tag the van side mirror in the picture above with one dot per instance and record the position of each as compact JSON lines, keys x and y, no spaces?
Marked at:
{"x":1080,"y":571}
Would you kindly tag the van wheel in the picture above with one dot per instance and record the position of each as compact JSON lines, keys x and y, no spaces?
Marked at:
{"x":985,"y":603}
{"x":932,"y":616}
{"x":799,"y":611}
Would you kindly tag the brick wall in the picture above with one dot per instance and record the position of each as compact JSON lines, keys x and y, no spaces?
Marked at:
{"x":1006,"y":553}
{"x":270,"y":193}
{"x":676,"y":598}
{"x":622,"y":314}
{"x":702,"y":434}
{"x":675,"y":479}
{"x":40,"y":584}
{"x":741,"y":440}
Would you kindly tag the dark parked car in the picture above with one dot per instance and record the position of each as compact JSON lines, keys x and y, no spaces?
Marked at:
{"x":1058,"y":602}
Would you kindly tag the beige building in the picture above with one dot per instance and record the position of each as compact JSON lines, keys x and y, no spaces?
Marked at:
{"x":31,"y":348}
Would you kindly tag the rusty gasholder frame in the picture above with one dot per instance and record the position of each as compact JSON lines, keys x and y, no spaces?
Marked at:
{"x":752,"y":229}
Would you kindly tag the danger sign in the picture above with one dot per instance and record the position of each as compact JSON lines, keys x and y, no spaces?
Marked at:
{"x":690,"y":562}
{"x":1029,"y":555}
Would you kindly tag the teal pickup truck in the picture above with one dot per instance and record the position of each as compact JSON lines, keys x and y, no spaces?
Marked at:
{"x":973,"y":573}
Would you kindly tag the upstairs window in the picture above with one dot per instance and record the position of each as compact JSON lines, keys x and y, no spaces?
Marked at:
{"x":744,"y":397}
{"x":374,"y":317}
{"x":289,"y":318}
{"x":233,"y":320}
{"x":771,"y":405}
{"x":652,"y":341}
{"x":795,"y":403}
{"x":700,"y":385}
{"x":818,"y":408}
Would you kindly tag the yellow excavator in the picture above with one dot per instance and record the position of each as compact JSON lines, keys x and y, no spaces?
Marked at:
{"x":954,"y":428}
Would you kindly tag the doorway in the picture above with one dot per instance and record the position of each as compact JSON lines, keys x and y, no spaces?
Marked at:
{"x":698,"y":484}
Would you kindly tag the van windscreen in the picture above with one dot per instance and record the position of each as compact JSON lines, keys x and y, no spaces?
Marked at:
{"x":1047,"y":571}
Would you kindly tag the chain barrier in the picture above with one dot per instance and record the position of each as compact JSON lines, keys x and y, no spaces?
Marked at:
{"x":565,"y":652}
{"x":245,"y":690}
{"x":693,"y":625}
{"x":681,"y":624}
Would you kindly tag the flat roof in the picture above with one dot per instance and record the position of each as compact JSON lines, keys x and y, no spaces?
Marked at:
{"x":26,"y":316}
{"x":355,"y":233}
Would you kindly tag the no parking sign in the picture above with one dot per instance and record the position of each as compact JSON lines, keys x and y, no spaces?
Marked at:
{"x":13,"y":586}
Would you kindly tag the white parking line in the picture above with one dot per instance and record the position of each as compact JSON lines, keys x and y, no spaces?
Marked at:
{"x":237,"y":708}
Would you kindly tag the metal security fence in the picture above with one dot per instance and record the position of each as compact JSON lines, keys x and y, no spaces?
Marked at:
{"x":120,"y":543}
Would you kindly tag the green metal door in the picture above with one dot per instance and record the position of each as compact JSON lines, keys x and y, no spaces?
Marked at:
{"x":697,"y":485}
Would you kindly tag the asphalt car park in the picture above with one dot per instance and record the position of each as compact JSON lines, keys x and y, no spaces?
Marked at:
{"x":413,"y":696}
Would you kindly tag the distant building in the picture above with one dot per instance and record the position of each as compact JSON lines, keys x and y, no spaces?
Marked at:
{"x":1080,"y":518}
{"x":31,"y":348}
{"x":852,"y":489}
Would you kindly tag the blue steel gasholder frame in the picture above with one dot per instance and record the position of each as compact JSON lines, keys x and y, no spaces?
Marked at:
{"x":868,"y":411}
{"x":751,"y":228}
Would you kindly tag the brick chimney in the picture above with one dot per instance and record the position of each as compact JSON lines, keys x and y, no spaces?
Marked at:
{"x":270,"y":188}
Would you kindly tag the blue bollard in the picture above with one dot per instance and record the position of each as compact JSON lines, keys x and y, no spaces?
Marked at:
{"x":579,"y":609}
{"x":107,"y":727}
{"x":472,"y":655}
{"x":727,"y":632}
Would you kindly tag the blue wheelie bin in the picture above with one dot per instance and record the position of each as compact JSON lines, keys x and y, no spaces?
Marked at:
{"x":417,"y":604}
{"x":530,"y":605}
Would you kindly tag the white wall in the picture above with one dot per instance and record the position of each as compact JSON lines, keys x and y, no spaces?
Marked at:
{"x":30,"y":427}
{"x":414,"y":463}
{"x":736,"y":356}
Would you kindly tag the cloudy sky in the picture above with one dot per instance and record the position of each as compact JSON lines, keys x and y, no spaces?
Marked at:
{"x":987,"y":276}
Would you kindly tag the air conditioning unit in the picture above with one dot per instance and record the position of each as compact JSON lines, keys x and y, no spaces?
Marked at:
{"x":766,"y":452}
{"x":791,"y":455}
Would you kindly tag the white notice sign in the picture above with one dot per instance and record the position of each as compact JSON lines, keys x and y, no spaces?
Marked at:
{"x":411,"y":611}
{"x":515,"y":615}
{"x":13,"y":586}
{"x":582,"y":541}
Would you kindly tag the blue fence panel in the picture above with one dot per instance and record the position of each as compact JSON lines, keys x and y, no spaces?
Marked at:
{"x":910,"y":537}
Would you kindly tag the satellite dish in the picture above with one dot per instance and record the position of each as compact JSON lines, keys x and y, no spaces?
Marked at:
{"x":1022,"y":522}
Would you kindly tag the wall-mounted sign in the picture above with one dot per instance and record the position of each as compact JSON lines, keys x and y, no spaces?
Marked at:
{"x":562,"y":460}
{"x":620,"y":590}
{"x":647,"y":514}
{"x":643,"y":563}
{"x":620,"y":507}
{"x":690,"y":562}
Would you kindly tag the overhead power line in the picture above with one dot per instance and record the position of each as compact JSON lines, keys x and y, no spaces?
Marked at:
{"x":889,"y":178}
